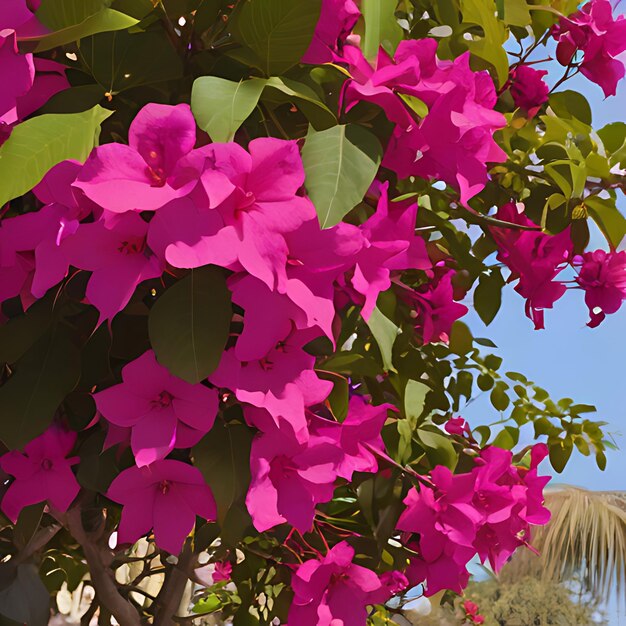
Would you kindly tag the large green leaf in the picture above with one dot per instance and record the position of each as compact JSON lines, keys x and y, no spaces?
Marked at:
{"x":221,"y":106}
{"x":38,"y":144}
{"x":48,"y":371}
{"x":438,"y":448}
{"x":71,"y":20}
{"x":277,"y":31}
{"x":117,"y":60}
{"x":489,"y":46}
{"x":287,"y":90}
{"x":223,"y":457}
{"x":381,"y":27}
{"x":189,"y":324}
{"x":385,"y":333}
{"x":340,"y":165}
{"x":608,"y":217}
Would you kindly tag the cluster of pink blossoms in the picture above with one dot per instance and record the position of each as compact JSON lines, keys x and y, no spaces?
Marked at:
{"x":28,"y":82}
{"x":599,"y":37}
{"x":535,"y":260}
{"x":132,"y":211}
{"x":161,"y":204}
{"x":487,"y":512}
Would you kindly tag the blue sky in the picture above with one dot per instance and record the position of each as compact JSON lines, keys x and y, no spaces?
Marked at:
{"x":569,"y":359}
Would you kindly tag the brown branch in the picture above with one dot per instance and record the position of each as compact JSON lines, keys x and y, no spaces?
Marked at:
{"x":99,"y":559}
{"x":171,"y":593}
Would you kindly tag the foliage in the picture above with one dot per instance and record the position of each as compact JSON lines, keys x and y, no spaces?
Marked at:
{"x":237,"y":239}
{"x":532,"y":601}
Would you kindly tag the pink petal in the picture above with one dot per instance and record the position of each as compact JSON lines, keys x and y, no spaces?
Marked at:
{"x":173,"y":521}
{"x":154,"y":436}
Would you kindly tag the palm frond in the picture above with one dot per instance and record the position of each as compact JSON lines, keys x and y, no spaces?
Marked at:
{"x":584,"y":541}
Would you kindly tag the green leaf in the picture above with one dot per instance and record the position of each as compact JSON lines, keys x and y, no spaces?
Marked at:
{"x":489,"y":47}
{"x":488,"y":295}
{"x":608,"y":217}
{"x":25,"y":599}
{"x":507,"y":438}
{"x":27,"y":524}
{"x":438,"y":448}
{"x":385,"y":333}
{"x":287,"y":90}
{"x":614,"y":139}
{"x":340,"y":165}
{"x":277,"y":31}
{"x":419,"y":107}
{"x":223,"y":457}
{"x":381,"y":27}
{"x":117,"y":61}
{"x":189,"y":324}
{"x":18,"y":334}
{"x":221,"y":106}
{"x":71,"y":20}
{"x":516,"y":13}
{"x":560,"y":451}
{"x":38,"y":144}
{"x":569,"y":105}
{"x":210,"y":604}
{"x":461,"y":340}
{"x":42,"y":378}
{"x":499,"y":397}
{"x":339,"y":397}
{"x":415,"y":399}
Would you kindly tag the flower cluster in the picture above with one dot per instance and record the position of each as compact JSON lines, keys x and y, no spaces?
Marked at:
{"x":599,"y":37}
{"x":28,"y":81}
{"x":487,"y":512}
{"x":103,"y":234}
{"x":334,"y":590}
{"x":443,"y":113}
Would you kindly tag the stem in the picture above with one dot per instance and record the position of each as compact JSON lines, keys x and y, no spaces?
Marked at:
{"x":99,"y":560}
{"x":171,"y":593}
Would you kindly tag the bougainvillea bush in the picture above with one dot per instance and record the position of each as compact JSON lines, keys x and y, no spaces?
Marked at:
{"x":237,"y":241}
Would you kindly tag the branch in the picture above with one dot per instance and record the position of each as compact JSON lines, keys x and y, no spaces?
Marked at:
{"x":171,"y":593}
{"x":102,"y":578}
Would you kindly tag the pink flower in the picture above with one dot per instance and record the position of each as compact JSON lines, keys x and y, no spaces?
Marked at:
{"x":163,"y":411}
{"x":471,"y":608}
{"x":43,"y":473}
{"x":336,"y":22}
{"x":390,"y":244}
{"x":603,"y":277}
{"x":357,"y":437}
{"x":49,"y":80}
{"x":436,"y":310}
{"x":534,"y":257}
{"x":18,"y":15}
{"x":17,"y":72}
{"x":39,"y":235}
{"x":165,"y":496}
{"x":157,"y":166}
{"x":283,"y":382}
{"x":528,"y":89}
{"x":269,"y":316}
{"x":289,"y":478}
{"x":454,"y":141}
{"x":600,"y":38}
{"x":509,"y":499}
{"x":333,"y":590}
{"x":223,"y":571}
{"x":116,"y":253}
{"x":256,"y":196}
{"x":457,"y":426}
{"x":446,"y":523}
